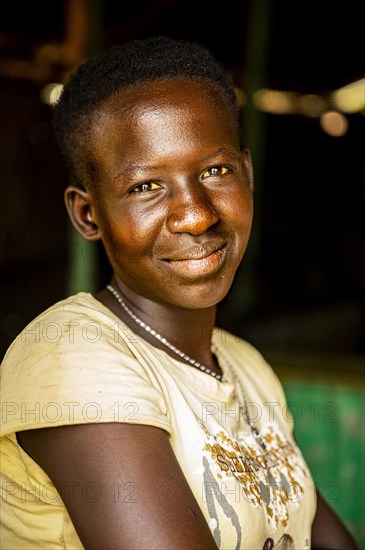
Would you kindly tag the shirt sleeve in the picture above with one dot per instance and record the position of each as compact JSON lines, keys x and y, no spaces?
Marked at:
{"x":71,"y":365}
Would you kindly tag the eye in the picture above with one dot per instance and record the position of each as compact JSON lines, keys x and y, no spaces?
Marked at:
{"x":215,"y":172}
{"x":145,"y":187}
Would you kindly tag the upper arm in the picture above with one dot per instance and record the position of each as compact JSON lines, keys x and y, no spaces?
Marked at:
{"x":328,"y":531}
{"x":141,"y":498}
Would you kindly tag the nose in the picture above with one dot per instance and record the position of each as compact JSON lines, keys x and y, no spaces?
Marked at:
{"x":191,"y":211}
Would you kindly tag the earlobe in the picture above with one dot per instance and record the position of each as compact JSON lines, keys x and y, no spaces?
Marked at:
{"x":247,"y":159}
{"x":79,"y":205}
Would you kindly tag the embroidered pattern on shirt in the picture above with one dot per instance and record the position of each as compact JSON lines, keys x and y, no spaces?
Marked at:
{"x":272,"y":479}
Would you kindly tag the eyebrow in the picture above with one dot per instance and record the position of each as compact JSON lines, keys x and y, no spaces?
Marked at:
{"x":133,"y":168}
{"x":230,"y":152}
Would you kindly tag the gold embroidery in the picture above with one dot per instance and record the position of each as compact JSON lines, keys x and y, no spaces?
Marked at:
{"x":271,"y":480}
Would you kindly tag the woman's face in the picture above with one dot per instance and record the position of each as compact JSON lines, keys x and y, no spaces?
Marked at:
{"x":173,"y":200}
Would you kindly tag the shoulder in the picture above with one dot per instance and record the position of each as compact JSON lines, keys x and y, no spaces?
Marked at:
{"x":242,"y":351}
{"x":77,"y":307}
{"x":77,"y":320}
{"x":251,"y":364}
{"x":75,"y":361}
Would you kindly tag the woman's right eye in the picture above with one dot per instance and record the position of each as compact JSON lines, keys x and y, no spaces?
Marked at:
{"x":145,"y":187}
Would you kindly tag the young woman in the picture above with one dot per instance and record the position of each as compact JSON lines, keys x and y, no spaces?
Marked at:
{"x":130,"y":421}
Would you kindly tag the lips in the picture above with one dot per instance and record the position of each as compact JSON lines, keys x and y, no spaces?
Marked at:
{"x":196,"y":253}
{"x":198,"y":261}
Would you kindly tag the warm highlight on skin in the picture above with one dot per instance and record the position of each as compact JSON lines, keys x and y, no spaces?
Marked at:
{"x":185,"y":206}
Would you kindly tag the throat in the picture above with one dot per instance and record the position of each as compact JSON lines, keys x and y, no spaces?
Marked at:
{"x":199,"y":354}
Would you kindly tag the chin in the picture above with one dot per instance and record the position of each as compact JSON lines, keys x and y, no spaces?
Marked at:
{"x":202,"y":296}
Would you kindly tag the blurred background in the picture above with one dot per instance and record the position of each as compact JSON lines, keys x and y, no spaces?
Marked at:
{"x":299,"y":72}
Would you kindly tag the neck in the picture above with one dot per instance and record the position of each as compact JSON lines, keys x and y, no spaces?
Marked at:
{"x":190,"y":330}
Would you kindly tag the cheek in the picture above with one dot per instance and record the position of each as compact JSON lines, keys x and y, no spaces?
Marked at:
{"x":248,"y":210}
{"x":129,"y":236}
{"x":241,"y":222}
{"x":239,"y":209}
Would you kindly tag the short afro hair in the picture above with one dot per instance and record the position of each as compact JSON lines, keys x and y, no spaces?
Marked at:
{"x":121,"y":66}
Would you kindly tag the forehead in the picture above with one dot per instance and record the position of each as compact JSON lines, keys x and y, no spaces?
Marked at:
{"x":160,"y":124}
{"x":170,"y":98}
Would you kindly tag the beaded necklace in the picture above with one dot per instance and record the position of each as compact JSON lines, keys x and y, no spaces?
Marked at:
{"x":243,"y":408}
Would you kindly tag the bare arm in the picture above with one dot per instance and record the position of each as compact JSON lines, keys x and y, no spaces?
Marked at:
{"x":328,"y":532}
{"x":122,"y":486}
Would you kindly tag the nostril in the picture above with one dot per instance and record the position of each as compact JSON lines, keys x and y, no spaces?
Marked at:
{"x":191,"y":210}
{"x":194,"y":221}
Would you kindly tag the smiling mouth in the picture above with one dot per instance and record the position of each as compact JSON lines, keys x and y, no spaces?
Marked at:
{"x":202,"y":261}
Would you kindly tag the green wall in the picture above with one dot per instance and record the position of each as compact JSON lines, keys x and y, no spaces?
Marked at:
{"x":328,"y":408}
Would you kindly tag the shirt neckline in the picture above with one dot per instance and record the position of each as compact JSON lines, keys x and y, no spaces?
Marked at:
{"x":201,"y":381}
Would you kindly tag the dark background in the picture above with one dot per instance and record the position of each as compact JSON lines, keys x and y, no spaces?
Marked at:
{"x":301,"y":286}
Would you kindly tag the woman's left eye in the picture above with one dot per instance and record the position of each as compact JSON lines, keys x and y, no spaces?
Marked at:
{"x":145,"y":187}
{"x":215,"y":172}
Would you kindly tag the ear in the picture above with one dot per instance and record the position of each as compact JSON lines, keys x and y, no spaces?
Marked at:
{"x":247,"y":159}
{"x":79,"y":205}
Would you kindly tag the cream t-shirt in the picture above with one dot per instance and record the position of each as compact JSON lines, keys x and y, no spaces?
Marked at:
{"x":77,"y":363}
